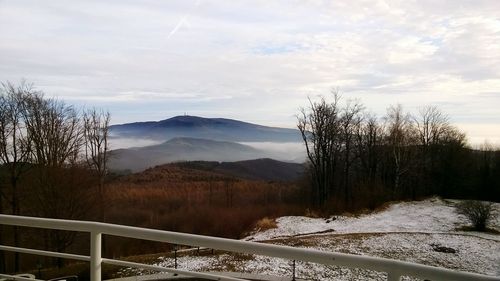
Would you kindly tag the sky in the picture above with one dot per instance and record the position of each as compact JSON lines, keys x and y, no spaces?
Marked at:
{"x":258,"y":61}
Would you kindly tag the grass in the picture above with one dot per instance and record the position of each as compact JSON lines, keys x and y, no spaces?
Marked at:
{"x":265,"y":224}
{"x":172,"y":197}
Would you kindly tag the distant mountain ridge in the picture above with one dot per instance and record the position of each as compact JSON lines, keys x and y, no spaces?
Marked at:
{"x":257,"y":169}
{"x":263,"y":169}
{"x":221,"y":129}
{"x":181,"y":149}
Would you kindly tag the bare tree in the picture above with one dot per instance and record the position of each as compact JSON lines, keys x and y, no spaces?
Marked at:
{"x":432,"y":125}
{"x":453,"y":136}
{"x":49,"y":137}
{"x":3,"y":122}
{"x":55,"y":132}
{"x":228,"y":191}
{"x":435,"y":134}
{"x":355,"y":156}
{"x":350,"y":120}
{"x":369,"y":137}
{"x":400,"y":139}
{"x":96,"y":130}
{"x":14,"y":146}
{"x":320,"y":129}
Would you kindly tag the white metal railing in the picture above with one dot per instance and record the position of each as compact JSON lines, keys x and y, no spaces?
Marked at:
{"x":394,"y":268}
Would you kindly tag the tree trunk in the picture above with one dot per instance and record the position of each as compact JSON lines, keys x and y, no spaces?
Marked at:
{"x":102,"y":213}
{"x":15,"y":212}
{"x":2,"y":253}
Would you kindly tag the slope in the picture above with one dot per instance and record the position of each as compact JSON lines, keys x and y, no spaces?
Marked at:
{"x":258,"y":169}
{"x":180,"y":149}
{"x":207,"y":128}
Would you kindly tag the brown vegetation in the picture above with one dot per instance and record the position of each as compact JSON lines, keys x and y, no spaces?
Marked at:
{"x":176,"y":198}
{"x":169,"y":197}
{"x":265,"y":224}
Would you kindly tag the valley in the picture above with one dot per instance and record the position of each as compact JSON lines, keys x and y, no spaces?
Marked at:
{"x":191,"y":138}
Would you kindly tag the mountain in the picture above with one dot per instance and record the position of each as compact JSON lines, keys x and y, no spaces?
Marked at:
{"x":258,"y":169}
{"x":181,"y":149}
{"x":205,"y":128}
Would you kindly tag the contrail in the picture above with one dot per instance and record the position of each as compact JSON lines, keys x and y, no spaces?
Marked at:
{"x":183,"y":20}
{"x":179,"y":24}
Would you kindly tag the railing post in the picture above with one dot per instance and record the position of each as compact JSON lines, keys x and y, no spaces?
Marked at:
{"x":175,"y":256}
{"x":95,"y":256}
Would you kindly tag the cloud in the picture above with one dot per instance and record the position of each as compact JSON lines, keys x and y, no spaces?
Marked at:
{"x":256,"y":60}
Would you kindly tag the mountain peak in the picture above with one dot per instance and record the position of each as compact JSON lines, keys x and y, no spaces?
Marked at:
{"x":185,"y":118}
{"x":220,"y":129}
{"x":197,"y":121}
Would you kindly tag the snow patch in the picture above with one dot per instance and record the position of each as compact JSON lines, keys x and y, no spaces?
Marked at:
{"x":431,"y":216}
{"x":407,"y":231}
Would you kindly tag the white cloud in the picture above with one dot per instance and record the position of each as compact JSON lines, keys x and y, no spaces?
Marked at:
{"x":256,"y":60}
{"x":411,"y":49}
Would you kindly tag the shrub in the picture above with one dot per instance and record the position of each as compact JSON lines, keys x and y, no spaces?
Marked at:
{"x":477,"y":212}
{"x":265,"y":224}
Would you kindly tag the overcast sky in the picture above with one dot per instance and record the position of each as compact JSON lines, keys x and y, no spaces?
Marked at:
{"x":258,"y":61}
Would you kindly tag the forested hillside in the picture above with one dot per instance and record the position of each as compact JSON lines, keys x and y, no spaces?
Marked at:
{"x":357,"y":159}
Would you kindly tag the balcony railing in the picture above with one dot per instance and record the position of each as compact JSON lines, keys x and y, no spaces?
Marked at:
{"x":395,"y":269}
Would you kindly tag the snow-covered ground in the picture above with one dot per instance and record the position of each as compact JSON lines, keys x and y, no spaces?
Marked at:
{"x":409,"y":231}
{"x":431,"y":216}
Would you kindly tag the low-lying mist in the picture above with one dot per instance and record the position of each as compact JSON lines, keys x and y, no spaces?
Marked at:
{"x":284,"y":151}
{"x":141,"y":153}
{"x":121,"y":143}
{"x":137,"y":154}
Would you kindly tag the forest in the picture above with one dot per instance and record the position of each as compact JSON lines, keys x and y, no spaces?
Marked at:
{"x":358,"y":160}
{"x":53,"y":158}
